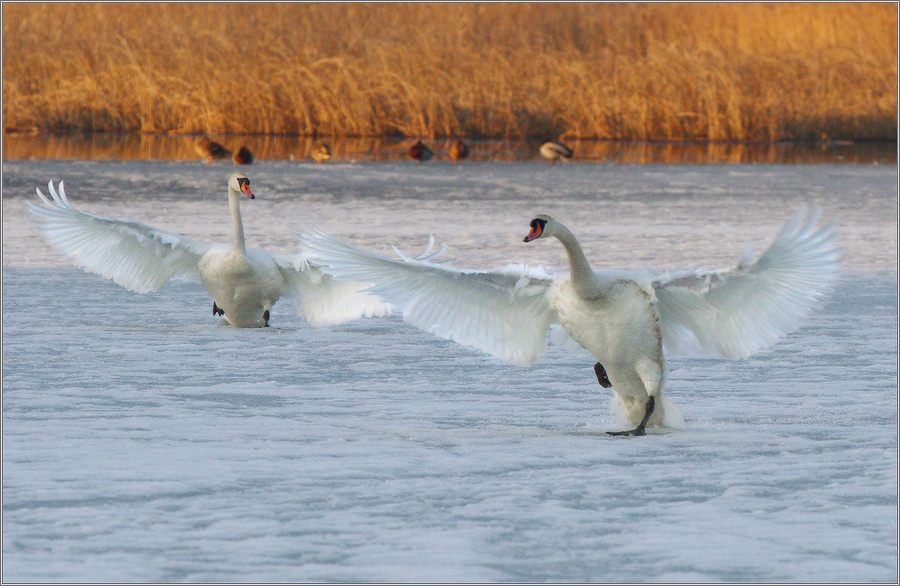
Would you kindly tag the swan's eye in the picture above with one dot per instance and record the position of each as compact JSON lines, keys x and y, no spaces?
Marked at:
{"x":243,"y":181}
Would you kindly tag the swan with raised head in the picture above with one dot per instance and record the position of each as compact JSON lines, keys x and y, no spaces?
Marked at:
{"x":244,"y":282}
{"x":625,"y":319}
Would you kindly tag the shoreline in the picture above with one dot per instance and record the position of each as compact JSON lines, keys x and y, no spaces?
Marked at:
{"x":146,"y":146}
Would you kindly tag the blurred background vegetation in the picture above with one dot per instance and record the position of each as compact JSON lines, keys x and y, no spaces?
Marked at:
{"x":708,"y":72}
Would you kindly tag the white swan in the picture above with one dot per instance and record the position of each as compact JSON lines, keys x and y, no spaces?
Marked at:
{"x":244,"y":282}
{"x":624,"y":319}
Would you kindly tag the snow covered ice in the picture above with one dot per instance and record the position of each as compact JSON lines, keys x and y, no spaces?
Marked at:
{"x":144,"y":442}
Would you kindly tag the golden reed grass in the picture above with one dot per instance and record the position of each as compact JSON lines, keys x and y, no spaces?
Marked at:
{"x":739,"y":72}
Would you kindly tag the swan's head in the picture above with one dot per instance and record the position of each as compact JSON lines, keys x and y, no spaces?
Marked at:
{"x":240,"y":183}
{"x":541,"y":226}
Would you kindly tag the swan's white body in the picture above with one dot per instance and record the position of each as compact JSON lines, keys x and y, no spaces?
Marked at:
{"x":627,"y":341}
{"x":625,"y":319}
{"x":244,"y":282}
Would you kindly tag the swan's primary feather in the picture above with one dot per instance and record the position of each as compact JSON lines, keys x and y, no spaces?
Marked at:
{"x":505,"y":313}
{"x":324,"y":301}
{"x":739,"y":311}
{"x":136,"y":256}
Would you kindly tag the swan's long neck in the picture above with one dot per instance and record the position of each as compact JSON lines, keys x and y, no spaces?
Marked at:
{"x":234,"y":204}
{"x":580,"y":272}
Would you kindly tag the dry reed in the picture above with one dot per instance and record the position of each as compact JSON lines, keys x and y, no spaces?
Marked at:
{"x":742,"y":72}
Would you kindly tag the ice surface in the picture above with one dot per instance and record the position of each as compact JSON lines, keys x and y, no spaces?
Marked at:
{"x":143,"y":442}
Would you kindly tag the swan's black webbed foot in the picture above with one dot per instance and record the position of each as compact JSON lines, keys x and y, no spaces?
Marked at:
{"x":216,"y":310}
{"x":266,"y":317}
{"x":636,"y":431}
{"x":640,"y":429}
{"x":601,"y":376}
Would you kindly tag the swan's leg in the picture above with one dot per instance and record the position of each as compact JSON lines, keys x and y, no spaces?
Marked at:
{"x":651,"y":374}
{"x":266,"y":317}
{"x":602,"y":378}
{"x":641,"y":428}
{"x":216,"y":310}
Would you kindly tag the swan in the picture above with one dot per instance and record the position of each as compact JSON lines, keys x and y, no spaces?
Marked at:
{"x":210,"y":150}
{"x":243,"y":157}
{"x":624,"y":319}
{"x":555,"y":151}
{"x":421,"y":152}
{"x":458,"y":151}
{"x":244,"y":282}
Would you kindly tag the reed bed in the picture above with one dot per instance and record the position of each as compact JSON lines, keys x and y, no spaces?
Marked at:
{"x":732,"y":72}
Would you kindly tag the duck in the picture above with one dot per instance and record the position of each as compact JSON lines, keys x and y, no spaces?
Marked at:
{"x":420,"y":152}
{"x":321,"y":153}
{"x":628,"y":321}
{"x":243,"y":156}
{"x":244,"y":282}
{"x":555,"y":151}
{"x":210,"y":150}
{"x":458,"y":151}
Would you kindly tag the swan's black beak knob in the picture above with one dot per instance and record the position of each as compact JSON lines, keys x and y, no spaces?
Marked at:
{"x":537,"y":228}
{"x":245,"y":187}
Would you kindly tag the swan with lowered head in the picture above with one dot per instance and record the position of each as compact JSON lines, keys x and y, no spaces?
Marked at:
{"x":244,"y":282}
{"x":625,"y":319}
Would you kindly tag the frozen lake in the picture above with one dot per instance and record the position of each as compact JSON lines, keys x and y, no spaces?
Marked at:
{"x":143,"y":442}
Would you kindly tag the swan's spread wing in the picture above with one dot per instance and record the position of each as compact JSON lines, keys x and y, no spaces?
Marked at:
{"x":736,"y":312}
{"x":505,"y":313}
{"x":324,"y":301}
{"x":134,"y":255}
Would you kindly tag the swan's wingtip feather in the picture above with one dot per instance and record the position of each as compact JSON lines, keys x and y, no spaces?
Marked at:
{"x":43,"y":197}
{"x":739,"y":311}
{"x":136,"y":256}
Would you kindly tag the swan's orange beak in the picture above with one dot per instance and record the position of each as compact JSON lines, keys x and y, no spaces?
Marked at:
{"x":245,"y":187}
{"x":534,"y":234}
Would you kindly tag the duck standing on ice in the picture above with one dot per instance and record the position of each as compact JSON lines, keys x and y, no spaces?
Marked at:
{"x":210,"y":150}
{"x":420,"y":152}
{"x":625,"y":319}
{"x":554,"y":151}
